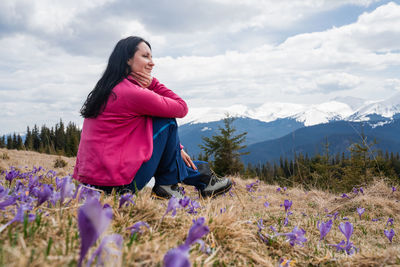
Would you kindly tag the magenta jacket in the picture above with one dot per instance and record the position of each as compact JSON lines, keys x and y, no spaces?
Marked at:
{"x":114,"y":145}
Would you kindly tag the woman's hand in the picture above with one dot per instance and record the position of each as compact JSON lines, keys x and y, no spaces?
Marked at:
{"x":186,"y":158}
{"x":143,"y":78}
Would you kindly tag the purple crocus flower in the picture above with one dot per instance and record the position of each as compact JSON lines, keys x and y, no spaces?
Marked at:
{"x":44,"y":194}
{"x":360,"y":211}
{"x":67,"y":188}
{"x":197,"y":231}
{"x":104,"y":247}
{"x":393,"y":189}
{"x":177,"y":257}
{"x":324,"y":228}
{"x":193,"y":205}
{"x":361,"y":190}
{"x":184,"y":201}
{"x":286,"y":221}
{"x":51,"y":173}
{"x":287,"y":204}
{"x":19,"y":216}
{"x":136,"y":227}
{"x":3,"y":191}
{"x":355,"y":190}
{"x":55,"y":196}
{"x":8,"y":202}
{"x":345,"y":196}
{"x":278,"y":189}
{"x":347,"y":229}
{"x":260,"y":224}
{"x":33,"y":182}
{"x":12,"y":174}
{"x":231,"y":193}
{"x":251,"y":187}
{"x":87,"y":192}
{"x":335,"y":215}
{"x":93,"y":220}
{"x":345,"y":246}
{"x":19,"y":186}
{"x":390,"y":220}
{"x":296,"y":236}
{"x":126,"y":199}
{"x":77,"y":190}
{"x":173,"y":205}
{"x":285,"y":188}
{"x":180,"y":256}
{"x":389,"y":234}
{"x":266,"y":204}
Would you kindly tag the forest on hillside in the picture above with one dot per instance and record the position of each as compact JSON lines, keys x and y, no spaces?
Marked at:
{"x":58,"y":140}
{"x":336,"y":173}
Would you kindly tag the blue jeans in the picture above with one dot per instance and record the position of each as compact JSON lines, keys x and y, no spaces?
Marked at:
{"x":166,"y":163}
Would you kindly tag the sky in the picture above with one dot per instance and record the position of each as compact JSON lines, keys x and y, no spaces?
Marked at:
{"x":213,"y":53}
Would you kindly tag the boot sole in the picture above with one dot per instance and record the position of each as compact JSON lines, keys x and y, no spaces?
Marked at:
{"x":155,"y":196}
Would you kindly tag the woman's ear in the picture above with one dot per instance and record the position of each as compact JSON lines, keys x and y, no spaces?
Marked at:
{"x":130,"y":61}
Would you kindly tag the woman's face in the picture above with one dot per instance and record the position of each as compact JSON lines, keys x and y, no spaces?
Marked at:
{"x":142,"y":61}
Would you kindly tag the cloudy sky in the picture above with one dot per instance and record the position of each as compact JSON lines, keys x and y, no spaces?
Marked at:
{"x":211,"y":52}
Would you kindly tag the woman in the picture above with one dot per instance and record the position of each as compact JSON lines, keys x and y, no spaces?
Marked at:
{"x":130,"y":133}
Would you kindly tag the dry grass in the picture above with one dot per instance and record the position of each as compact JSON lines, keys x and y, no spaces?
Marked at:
{"x":232,"y":221}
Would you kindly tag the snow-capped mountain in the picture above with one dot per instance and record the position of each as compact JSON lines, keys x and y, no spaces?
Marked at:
{"x":385,"y":108}
{"x":344,"y":108}
{"x":307,"y":114}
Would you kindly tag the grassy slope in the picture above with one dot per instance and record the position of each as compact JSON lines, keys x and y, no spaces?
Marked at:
{"x":233,"y":235}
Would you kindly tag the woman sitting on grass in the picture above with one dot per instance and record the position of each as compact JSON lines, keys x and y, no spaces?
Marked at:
{"x":130,"y":133}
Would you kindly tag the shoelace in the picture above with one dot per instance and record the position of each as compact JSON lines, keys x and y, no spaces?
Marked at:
{"x":214,"y":178}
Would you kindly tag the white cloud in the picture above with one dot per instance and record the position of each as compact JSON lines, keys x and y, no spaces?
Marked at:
{"x":46,"y":15}
{"x":48,"y":64}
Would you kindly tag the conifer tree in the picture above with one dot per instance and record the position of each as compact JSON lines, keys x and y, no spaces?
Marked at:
{"x":20,"y":143}
{"x":3,"y":141}
{"x":14,"y":141}
{"x":225,"y":148}
{"x":9,"y":142}
{"x":60,"y":138}
{"x":35,"y":138}
{"x":28,"y":139}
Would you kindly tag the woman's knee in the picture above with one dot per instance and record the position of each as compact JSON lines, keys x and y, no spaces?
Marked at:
{"x":161,"y":124}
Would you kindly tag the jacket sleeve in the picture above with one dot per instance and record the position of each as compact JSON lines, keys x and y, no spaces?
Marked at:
{"x":156,"y":101}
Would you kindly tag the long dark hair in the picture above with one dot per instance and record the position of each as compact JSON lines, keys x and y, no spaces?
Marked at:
{"x":117,"y":69}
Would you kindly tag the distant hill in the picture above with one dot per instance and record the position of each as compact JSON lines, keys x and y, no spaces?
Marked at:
{"x":340,"y":135}
{"x":257,"y":131}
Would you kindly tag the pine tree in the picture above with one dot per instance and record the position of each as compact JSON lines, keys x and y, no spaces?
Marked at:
{"x":20,"y":143}
{"x":28,"y":139}
{"x":9,"y":142}
{"x":36,"y":138}
{"x":224,"y":148}
{"x":60,"y":138}
{"x":3,"y":141}
{"x":14,"y":141}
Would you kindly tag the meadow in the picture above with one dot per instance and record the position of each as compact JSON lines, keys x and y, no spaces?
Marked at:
{"x":47,"y":219}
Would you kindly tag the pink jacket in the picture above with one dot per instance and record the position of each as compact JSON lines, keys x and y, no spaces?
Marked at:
{"x":114,"y":145}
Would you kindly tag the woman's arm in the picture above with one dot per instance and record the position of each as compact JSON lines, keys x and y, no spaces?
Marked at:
{"x":156,"y":101}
